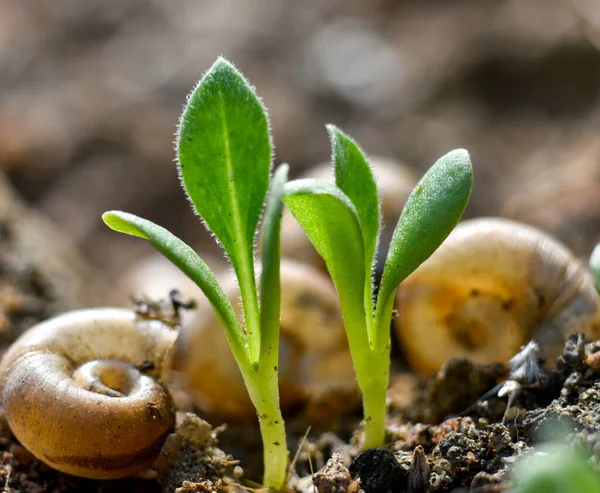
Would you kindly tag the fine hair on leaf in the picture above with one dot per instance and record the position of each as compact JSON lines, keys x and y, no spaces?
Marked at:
{"x":224,"y":155}
{"x":343,"y":222}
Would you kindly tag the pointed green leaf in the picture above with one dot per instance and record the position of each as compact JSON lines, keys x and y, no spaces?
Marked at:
{"x":431,"y":212}
{"x":595,"y":265}
{"x":270,"y":296}
{"x":331,"y":223}
{"x":224,"y":151}
{"x":354,"y":177}
{"x":189,"y":262}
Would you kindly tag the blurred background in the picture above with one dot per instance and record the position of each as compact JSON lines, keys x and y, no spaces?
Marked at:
{"x":91,"y":92}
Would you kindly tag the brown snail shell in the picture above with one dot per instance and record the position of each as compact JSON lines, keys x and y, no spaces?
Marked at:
{"x":313,"y":356}
{"x":83,"y":391}
{"x":493,"y":286}
{"x":395,"y":182}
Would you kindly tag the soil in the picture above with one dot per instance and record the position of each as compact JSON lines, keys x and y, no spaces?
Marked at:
{"x":448,"y":433}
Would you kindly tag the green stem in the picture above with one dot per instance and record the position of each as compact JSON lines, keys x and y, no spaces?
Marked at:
{"x":373,"y":380}
{"x":372,"y":368}
{"x":369,"y":309}
{"x":373,"y":373}
{"x":383,"y":317}
{"x":264,"y":393}
{"x":249,"y":296}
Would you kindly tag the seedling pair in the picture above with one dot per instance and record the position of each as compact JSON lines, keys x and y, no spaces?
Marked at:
{"x":225,"y":153}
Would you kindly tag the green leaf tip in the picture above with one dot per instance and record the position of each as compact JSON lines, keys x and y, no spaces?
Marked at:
{"x":458,"y":156}
{"x":433,"y":209}
{"x":225,"y":154}
{"x":224,"y":70}
{"x":122,"y":222}
{"x":354,"y":177}
{"x":221,"y":61}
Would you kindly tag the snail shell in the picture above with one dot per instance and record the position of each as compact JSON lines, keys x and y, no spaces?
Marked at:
{"x":83,"y":393}
{"x":491,"y":287}
{"x":314,"y":357}
{"x":395,"y":182}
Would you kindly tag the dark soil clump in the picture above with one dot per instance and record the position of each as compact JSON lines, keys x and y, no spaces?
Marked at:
{"x":473,"y":449}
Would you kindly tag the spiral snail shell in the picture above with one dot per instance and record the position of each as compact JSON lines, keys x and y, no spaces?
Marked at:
{"x":491,"y":287}
{"x":313,"y":357}
{"x":83,"y":391}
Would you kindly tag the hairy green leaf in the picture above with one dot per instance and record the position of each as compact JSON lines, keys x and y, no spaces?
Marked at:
{"x":270,"y":296}
{"x":224,"y":151}
{"x":332,"y":225}
{"x":353,"y":176}
{"x":188,"y":261}
{"x":431,"y":212}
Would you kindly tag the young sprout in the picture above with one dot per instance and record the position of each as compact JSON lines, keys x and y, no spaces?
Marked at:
{"x":343,"y":222}
{"x":224,"y":152}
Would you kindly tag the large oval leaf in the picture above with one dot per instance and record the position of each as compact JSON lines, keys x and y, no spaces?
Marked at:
{"x":224,"y":151}
{"x":431,"y":212}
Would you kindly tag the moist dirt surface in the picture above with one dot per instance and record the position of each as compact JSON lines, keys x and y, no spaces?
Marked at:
{"x":448,"y":433}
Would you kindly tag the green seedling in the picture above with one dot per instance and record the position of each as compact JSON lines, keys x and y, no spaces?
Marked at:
{"x":224,"y":155}
{"x":343,"y":222}
{"x":595,"y":266}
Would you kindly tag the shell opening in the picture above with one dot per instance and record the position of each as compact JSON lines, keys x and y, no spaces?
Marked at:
{"x":108,"y":377}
